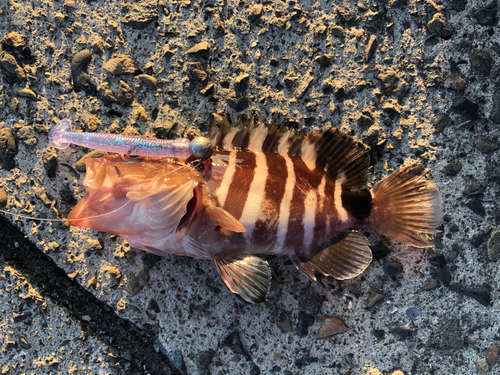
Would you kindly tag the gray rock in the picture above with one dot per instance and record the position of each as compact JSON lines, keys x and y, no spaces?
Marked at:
{"x":50,"y":162}
{"x":393,"y":268}
{"x":494,"y":246}
{"x":495,"y":113}
{"x":338,"y":32}
{"x":480,"y":61}
{"x":481,"y":295}
{"x":441,"y":121}
{"x":196,"y":71}
{"x":484,"y":16}
{"x":149,"y":81}
{"x":486,"y":145}
{"x":304,"y":321}
{"x":120,"y":64}
{"x":255,"y":12}
{"x":11,"y":68}
{"x":125,"y":94}
{"x":136,"y":282}
{"x":139,"y":15}
{"x":177,"y":360}
{"x":476,"y":206}
{"x":199,"y":49}
{"x":106,"y":94}
{"x":79,"y":65}
{"x":27,"y":93}
{"x":466,"y":107}
{"x":440,"y":27}
{"x":237,"y":100}
{"x":373,"y":299}
{"x":217,"y":23}
{"x":452,"y":168}
{"x":304,"y":84}
{"x":390,"y":81}
{"x":371,"y":47}
{"x":16,"y":42}
{"x":8,"y":148}
{"x":208,"y":90}
{"x":449,"y":335}
{"x":492,"y":355}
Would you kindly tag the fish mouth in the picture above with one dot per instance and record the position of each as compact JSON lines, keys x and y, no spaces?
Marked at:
{"x":192,"y":210}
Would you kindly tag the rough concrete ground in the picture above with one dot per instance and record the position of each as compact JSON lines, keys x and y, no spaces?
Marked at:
{"x":414,"y":80}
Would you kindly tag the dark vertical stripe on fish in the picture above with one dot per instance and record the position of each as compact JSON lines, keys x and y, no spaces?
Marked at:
{"x":295,"y":232}
{"x":240,"y":184}
{"x":266,"y":226}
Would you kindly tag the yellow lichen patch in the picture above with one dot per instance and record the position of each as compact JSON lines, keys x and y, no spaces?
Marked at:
{"x":368,"y":370}
{"x":121,"y":304}
{"x":20,"y":282}
{"x":112,"y":270}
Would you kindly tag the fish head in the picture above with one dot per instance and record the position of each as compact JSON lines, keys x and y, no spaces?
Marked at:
{"x":151,"y":202}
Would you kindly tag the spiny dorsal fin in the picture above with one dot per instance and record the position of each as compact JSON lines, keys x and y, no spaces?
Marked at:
{"x":345,"y":259}
{"x":246,"y":275}
{"x":329,"y":150}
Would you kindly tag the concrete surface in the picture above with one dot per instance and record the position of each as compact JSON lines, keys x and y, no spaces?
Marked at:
{"x":415,"y":80}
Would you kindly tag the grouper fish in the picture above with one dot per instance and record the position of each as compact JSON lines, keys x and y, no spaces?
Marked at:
{"x":265,"y":190}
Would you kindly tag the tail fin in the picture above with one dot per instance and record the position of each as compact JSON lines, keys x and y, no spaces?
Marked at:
{"x":404,"y":205}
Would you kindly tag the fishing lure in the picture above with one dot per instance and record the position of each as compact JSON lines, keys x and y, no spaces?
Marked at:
{"x":61,"y":136}
{"x":264,"y":190}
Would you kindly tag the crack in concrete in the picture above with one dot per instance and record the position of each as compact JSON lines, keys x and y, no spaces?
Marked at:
{"x":120,"y":335}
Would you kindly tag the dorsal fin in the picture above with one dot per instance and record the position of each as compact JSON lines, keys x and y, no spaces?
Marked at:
{"x":329,"y":150}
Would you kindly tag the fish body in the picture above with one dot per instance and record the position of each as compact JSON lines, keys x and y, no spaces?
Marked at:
{"x":264,"y":191}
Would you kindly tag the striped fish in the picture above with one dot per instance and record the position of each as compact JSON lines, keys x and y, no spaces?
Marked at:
{"x":264,"y":191}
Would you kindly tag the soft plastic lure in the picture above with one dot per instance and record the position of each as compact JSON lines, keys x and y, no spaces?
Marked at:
{"x":200,"y":148}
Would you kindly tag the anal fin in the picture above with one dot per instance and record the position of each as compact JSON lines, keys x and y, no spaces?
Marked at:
{"x":247,"y":275}
{"x":345,"y":259}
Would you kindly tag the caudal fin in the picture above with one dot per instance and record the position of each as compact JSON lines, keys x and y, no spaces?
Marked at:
{"x":405,"y":205}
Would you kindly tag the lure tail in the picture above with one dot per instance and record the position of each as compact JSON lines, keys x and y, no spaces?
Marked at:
{"x":405,"y":205}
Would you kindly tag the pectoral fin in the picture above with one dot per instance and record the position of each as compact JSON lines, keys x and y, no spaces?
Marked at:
{"x":345,"y":259}
{"x":224,"y":219}
{"x":249,"y":276}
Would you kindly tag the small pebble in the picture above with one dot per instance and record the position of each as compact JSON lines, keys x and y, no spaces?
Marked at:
{"x":120,"y":64}
{"x":494,"y":246}
{"x":199,"y":48}
{"x":196,"y":71}
{"x":255,"y":12}
{"x":11,"y":68}
{"x":140,"y":14}
{"x":79,"y":65}
{"x":413,"y":313}
{"x":136,"y":282}
{"x":27,"y":93}
{"x":332,"y":326}
{"x":149,"y":81}
{"x":482,"y":365}
{"x":440,"y":26}
{"x":486,"y":145}
{"x":8,"y":149}
{"x":125,"y":94}
{"x":492,"y":355}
